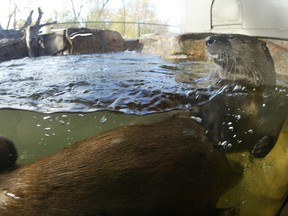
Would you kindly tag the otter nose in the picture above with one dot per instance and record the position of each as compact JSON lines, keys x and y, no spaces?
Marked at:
{"x":210,"y":40}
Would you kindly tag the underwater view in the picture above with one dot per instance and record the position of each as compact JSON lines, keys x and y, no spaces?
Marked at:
{"x":50,"y":103}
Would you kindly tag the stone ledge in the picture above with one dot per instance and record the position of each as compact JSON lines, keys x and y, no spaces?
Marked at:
{"x":279,"y":52}
{"x":191,"y":46}
{"x":174,"y":46}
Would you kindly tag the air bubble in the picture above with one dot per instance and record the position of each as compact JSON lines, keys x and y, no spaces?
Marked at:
{"x":103,"y":119}
{"x":237,"y":117}
{"x":197,"y":119}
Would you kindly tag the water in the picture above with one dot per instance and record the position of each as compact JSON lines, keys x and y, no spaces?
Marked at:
{"x":126,"y":82}
{"x":49,"y":103}
{"x":91,"y":90}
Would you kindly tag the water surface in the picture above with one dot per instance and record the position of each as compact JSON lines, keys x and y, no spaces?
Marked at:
{"x":128,"y":82}
{"x":49,"y":103}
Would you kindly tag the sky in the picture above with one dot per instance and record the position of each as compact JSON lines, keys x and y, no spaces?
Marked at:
{"x":169,"y":10}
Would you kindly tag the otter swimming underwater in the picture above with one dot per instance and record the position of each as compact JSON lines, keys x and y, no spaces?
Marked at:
{"x":166,"y":168}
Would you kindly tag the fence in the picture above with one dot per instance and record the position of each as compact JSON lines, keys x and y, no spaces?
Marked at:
{"x":128,"y":29}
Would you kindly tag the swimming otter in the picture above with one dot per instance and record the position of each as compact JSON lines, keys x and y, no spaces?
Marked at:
{"x":166,"y":168}
{"x":248,"y":116}
{"x":247,"y":119}
{"x":8,"y":154}
{"x":241,"y":59}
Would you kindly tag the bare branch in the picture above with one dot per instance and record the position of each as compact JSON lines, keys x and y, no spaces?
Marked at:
{"x":104,"y":3}
{"x":75,"y":14}
{"x":28,"y":21}
{"x":40,"y":14}
{"x":13,"y":13}
{"x":74,"y":11}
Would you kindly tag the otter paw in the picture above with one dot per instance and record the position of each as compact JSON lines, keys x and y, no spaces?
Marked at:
{"x":264,"y":146}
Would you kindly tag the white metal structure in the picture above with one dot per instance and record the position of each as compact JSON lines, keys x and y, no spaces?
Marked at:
{"x":264,"y":18}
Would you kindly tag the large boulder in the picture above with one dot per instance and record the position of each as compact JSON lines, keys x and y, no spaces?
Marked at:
{"x":14,"y":48}
{"x":85,"y":41}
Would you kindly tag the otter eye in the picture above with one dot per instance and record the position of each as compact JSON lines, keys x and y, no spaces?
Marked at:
{"x":210,"y":40}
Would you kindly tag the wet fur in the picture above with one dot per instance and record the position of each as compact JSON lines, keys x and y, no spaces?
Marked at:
{"x":241,"y":59}
{"x":168,"y":168}
{"x":245,"y":120}
{"x":250,"y":119}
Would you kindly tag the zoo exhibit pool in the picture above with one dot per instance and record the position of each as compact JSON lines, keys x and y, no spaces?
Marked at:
{"x":49,"y":103}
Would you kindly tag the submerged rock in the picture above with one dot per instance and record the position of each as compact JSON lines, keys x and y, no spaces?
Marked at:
{"x":8,"y":154}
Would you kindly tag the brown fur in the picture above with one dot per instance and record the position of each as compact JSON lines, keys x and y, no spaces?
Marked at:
{"x":161,"y":169}
{"x":249,"y":120}
{"x":241,"y":59}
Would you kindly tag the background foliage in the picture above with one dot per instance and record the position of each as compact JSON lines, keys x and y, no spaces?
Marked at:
{"x":126,"y":16}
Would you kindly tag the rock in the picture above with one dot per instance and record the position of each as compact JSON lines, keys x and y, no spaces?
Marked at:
{"x":175,"y":46}
{"x":8,"y":154}
{"x":14,"y":48}
{"x":279,"y":52}
{"x":132,"y":44}
{"x":86,"y":41}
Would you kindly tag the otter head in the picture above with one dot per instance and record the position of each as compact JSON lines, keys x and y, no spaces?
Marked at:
{"x":241,"y":59}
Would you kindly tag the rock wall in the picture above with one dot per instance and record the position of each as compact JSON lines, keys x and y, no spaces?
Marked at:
{"x":175,"y":46}
{"x":279,"y":52}
{"x":191,"y":46}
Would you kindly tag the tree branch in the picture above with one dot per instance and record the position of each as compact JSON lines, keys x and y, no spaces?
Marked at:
{"x":74,"y":11}
{"x":103,"y":6}
{"x":40,"y":14}
{"x":28,"y":21}
{"x":13,"y":13}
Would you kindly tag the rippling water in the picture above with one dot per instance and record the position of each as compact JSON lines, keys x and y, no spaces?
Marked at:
{"x":128,"y":82}
{"x":70,"y":96}
{"x":49,"y":103}
{"x":68,"y":91}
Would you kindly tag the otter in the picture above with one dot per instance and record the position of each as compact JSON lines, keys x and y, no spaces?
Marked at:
{"x":241,"y":59}
{"x":8,"y":154}
{"x":244,"y":119}
{"x":246,"y":113}
{"x":166,"y":168}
